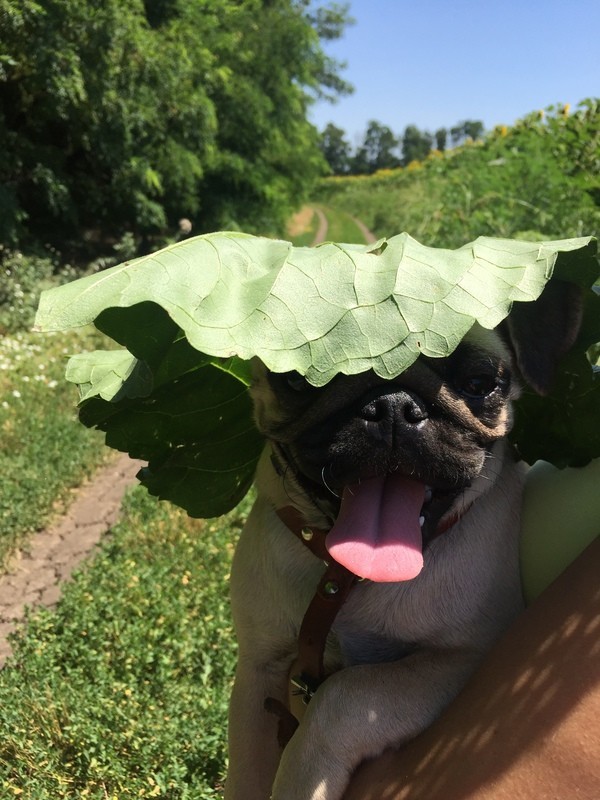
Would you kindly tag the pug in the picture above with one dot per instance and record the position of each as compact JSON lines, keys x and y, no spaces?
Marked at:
{"x":414,"y":492}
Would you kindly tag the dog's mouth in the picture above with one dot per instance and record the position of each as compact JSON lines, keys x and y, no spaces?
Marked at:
{"x":382,"y":527}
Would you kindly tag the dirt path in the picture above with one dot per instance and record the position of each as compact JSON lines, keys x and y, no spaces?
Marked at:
{"x":369,"y":235}
{"x":37,"y":574}
{"x":302,"y":221}
{"x":321,"y":234}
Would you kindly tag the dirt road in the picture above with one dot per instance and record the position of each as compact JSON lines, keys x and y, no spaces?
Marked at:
{"x":323,"y":228}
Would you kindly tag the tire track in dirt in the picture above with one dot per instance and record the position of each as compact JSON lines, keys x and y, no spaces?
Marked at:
{"x":369,"y":235}
{"x":36,"y":575}
{"x":323,"y":228}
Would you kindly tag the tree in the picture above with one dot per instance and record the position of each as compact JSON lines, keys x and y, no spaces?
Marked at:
{"x":101,"y":124}
{"x":467,"y":129}
{"x":378,"y":150}
{"x":441,"y":139}
{"x":416,"y":144}
{"x":336,"y":149}
{"x":128,"y":116}
{"x":267,"y":153}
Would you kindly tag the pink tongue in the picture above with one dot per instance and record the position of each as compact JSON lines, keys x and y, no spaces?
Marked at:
{"x":377,"y":534}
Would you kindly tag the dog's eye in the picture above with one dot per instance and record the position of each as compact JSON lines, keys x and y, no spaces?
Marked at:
{"x":477,"y":386}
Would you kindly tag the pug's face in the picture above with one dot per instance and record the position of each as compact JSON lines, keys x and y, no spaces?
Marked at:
{"x":434,"y":424}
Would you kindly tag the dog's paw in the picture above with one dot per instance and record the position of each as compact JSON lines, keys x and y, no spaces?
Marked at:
{"x":310,"y":769}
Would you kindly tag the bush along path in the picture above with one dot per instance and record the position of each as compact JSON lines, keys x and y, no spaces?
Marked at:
{"x":35,"y":575}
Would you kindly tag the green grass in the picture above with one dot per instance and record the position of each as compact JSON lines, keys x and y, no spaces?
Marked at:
{"x":122,"y":692}
{"x":341,"y":226}
{"x":302,"y":228}
{"x":44,"y":451}
{"x":304,"y":239}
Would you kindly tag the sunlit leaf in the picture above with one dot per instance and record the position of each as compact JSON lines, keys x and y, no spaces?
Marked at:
{"x":193,"y":315}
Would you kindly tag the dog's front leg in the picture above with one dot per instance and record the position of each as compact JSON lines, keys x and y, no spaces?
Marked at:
{"x":253,"y":747}
{"x":360,"y":711}
{"x":262,"y":588}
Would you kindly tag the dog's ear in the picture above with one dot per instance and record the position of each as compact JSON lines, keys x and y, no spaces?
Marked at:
{"x":543,"y":331}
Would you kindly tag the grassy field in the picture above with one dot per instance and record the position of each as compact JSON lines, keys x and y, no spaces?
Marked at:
{"x":341,"y":226}
{"x":539,"y":179}
{"x":122,"y":691}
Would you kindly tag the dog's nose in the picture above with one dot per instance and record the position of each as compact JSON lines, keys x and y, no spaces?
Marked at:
{"x":397,"y":408}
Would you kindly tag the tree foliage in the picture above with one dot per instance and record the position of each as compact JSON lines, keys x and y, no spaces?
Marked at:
{"x":416,"y":144}
{"x":465,"y":130}
{"x":336,"y":149}
{"x":128,"y":116}
{"x":381,"y":148}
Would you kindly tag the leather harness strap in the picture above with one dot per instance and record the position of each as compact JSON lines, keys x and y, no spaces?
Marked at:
{"x":307,"y":672}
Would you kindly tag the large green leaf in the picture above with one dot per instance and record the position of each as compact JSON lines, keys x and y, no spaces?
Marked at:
{"x":192,"y":315}
{"x":335,"y":308}
{"x":162,"y":401}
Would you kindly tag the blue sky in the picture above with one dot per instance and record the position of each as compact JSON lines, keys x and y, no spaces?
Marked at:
{"x":433,"y":63}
